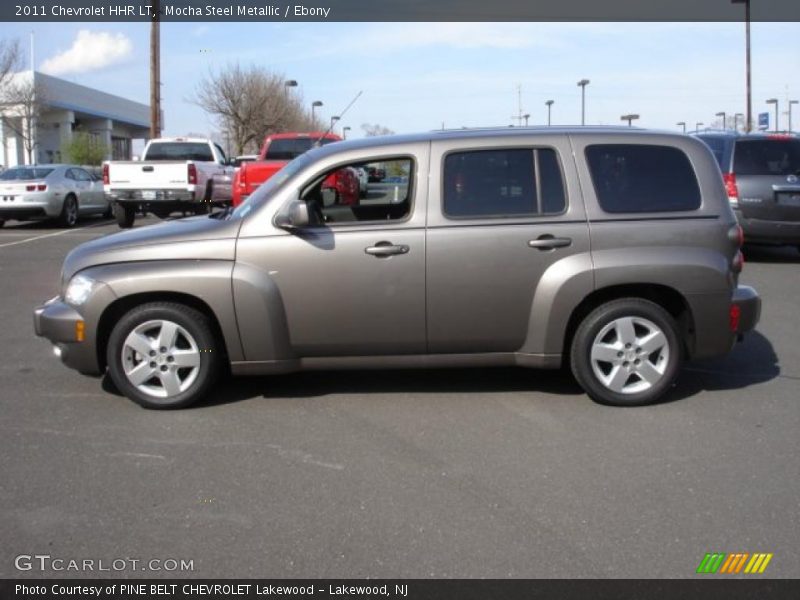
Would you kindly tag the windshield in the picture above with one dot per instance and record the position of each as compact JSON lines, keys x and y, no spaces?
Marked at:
{"x":20,"y":174}
{"x":179,"y":151}
{"x":767,"y":157}
{"x":287,"y":149}
{"x":266,"y":190}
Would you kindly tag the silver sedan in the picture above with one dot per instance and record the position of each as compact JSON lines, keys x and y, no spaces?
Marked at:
{"x":61,"y":192}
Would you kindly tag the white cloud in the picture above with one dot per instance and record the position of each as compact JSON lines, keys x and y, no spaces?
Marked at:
{"x":200,"y":30}
{"x":90,"y":51}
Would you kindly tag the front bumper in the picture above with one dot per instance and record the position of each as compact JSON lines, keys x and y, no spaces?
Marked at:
{"x":58,"y":322}
{"x":749,"y":304}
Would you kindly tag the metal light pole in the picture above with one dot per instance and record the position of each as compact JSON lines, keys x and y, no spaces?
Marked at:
{"x":775,"y":102}
{"x":526,"y":117}
{"x":724,"y":121}
{"x":287,"y":84}
{"x":333,"y":121}
{"x":697,"y":126}
{"x":344,"y":132}
{"x":748,"y":126}
{"x":791,"y":103}
{"x":682,"y":124}
{"x":583,"y":83}
{"x":549,"y":104}
{"x":314,"y":105}
{"x":629,"y":118}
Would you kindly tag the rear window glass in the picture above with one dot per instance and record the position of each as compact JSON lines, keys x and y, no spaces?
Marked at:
{"x":767,"y":157}
{"x":24,"y":174}
{"x":288,"y":149}
{"x":717,"y":146}
{"x":638,"y":178}
{"x":503,"y":183}
{"x":179,"y":151}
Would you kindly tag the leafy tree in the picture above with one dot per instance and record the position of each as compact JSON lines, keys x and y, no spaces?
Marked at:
{"x":84,"y":149}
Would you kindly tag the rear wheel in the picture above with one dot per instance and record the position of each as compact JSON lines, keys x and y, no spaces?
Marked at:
{"x":2,"y":222}
{"x":125,"y":215}
{"x":69,"y":212}
{"x":163,"y":355}
{"x":626,"y":352}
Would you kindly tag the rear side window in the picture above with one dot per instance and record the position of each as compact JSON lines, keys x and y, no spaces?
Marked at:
{"x":514,"y":182}
{"x":636,"y":178}
{"x":767,"y":157}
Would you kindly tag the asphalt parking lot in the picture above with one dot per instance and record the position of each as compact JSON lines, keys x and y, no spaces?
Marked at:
{"x":461,"y":473}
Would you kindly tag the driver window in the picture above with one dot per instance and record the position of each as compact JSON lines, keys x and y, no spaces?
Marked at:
{"x":360,"y":192}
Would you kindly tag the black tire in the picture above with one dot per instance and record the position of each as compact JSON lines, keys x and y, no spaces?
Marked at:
{"x":198,"y":328}
{"x":69,"y":212}
{"x":2,"y":222}
{"x":108,"y":213}
{"x":202,"y":209}
{"x":601,"y":328}
{"x":125,"y":215}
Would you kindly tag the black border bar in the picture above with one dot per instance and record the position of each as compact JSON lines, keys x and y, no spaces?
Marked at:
{"x":397,"y":10}
{"x":415,"y":589}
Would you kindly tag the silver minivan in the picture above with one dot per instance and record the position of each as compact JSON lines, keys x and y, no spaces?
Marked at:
{"x":613,"y":251}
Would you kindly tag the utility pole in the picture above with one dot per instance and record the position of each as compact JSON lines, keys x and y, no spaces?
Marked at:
{"x":155,"y":72}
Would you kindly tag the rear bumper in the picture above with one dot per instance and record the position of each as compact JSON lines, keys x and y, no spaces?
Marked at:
{"x":57,"y":322}
{"x":749,"y":304}
{"x":22,"y":213}
{"x":759,"y":231}
{"x":149,"y":196}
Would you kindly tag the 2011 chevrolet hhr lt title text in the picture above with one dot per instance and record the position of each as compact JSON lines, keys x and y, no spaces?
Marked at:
{"x":614,"y":251}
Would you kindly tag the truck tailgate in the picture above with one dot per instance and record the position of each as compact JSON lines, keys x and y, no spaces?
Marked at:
{"x":136,"y":175}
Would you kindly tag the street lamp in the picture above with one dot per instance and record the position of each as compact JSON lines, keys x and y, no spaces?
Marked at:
{"x":697,"y":126}
{"x":682,"y":124}
{"x":583,"y":83}
{"x":314,"y":105}
{"x":344,"y":131}
{"x":775,"y":102}
{"x":791,"y":103}
{"x":629,"y":118}
{"x":724,"y":122}
{"x":526,"y":117}
{"x":333,"y":121}
{"x":287,"y":84}
{"x":748,"y":126}
{"x":549,"y":104}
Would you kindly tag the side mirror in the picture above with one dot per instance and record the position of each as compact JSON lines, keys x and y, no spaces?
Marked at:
{"x":295,"y":216}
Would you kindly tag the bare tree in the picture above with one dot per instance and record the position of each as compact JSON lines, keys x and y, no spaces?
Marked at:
{"x":9,"y":61}
{"x":21,"y":106}
{"x":249,"y":104}
{"x":375,"y":130}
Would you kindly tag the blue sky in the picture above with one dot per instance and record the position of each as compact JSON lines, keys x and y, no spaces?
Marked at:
{"x":414,"y":76}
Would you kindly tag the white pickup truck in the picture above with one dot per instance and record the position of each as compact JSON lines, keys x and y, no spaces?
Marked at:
{"x":174,"y":174}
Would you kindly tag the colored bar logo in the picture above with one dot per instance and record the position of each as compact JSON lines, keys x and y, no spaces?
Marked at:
{"x":731,"y":564}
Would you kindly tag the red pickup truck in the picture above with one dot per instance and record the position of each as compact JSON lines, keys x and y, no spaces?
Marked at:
{"x":277,"y":151}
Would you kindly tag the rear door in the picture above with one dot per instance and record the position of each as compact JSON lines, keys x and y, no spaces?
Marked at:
{"x":767,"y":174}
{"x":500,"y":214}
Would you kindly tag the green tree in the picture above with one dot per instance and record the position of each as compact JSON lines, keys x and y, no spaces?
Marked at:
{"x":84,"y":149}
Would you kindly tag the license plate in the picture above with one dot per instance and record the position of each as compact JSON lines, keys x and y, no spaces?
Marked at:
{"x":789,"y":199}
{"x":148,"y":195}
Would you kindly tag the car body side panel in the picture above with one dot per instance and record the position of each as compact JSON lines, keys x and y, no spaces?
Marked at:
{"x":206,"y":280}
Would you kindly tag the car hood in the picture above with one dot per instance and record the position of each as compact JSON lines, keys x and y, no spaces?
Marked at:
{"x":195,"y":238}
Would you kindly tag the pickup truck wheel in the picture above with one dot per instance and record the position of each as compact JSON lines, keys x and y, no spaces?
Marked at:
{"x":202,"y":209}
{"x":163,"y":355}
{"x":69,"y":212}
{"x":125,"y":215}
{"x":626,"y":352}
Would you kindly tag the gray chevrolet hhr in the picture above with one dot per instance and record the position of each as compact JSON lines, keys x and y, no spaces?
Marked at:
{"x":611,"y":250}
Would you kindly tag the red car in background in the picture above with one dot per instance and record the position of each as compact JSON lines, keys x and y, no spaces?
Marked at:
{"x":280,"y":148}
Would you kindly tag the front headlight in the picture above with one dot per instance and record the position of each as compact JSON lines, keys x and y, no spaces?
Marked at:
{"x":78,"y":290}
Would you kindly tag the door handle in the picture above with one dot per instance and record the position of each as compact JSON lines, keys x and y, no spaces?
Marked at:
{"x":548,"y":242}
{"x":386,"y":249}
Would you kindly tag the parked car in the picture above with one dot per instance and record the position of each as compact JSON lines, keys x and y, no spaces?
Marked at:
{"x":62,"y":192}
{"x":276,"y":152}
{"x":762,"y":179}
{"x":175,"y":174}
{"x":611,"y":250}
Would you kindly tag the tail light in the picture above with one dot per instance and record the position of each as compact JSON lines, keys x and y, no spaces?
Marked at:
{"x":42,"y":187}
{"x":30,"y":188}
{"x":106,"y":177}
{"x":734,"y":315}
{"x":737,"y":264}
{"x":731,"y":188}
{"x":36,"y":187}
{"x":736,"y":235}
{"x":191,"y":174}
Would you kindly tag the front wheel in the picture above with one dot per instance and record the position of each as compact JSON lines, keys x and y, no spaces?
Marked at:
{"x":163,"y":355}
{"x":125,"y":215}
{"x":626,"y":352}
